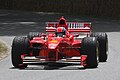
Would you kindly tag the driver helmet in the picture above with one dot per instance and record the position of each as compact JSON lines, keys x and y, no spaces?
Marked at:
{"x":60,"y":31}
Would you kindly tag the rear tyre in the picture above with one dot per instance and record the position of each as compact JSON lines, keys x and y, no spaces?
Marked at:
{"x":20,"y":46}
{"x":103,"y":45}
{"x":89,"y":47}
{"x":31,"y":35}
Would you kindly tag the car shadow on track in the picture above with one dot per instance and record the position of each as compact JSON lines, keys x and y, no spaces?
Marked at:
{"x":54,"y":67}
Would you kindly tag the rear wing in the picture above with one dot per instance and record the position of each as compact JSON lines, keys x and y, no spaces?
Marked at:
{"x":72,"y":26}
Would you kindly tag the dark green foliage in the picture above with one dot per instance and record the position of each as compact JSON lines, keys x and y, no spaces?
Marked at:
{"x":110,"y":8}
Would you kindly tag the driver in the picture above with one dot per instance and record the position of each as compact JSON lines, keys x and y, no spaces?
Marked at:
{"x":60,"y":32}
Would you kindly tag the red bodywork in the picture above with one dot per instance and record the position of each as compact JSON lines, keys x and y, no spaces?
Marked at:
{"x":53,"y":48}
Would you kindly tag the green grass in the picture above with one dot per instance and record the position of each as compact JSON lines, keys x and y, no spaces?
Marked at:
{"x":3,"y":49}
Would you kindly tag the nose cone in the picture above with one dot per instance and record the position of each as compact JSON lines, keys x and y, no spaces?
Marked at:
{"x":54,"y":43}
{"x":52,"y":46}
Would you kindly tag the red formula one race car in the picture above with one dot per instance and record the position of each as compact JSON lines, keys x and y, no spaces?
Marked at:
{"x":63,"y":42}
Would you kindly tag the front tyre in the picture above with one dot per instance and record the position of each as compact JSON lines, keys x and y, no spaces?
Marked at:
{"x":20,"y":46}
{"x":89,"y":47}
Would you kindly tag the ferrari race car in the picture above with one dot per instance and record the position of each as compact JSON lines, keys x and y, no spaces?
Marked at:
{"x":63,"y":42}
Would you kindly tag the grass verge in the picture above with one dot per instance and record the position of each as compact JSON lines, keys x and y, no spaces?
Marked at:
{"x":3,"y":50}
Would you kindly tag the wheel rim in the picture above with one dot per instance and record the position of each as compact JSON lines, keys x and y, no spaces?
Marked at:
{"x":107,"y":46}
{"x":97,"y":50}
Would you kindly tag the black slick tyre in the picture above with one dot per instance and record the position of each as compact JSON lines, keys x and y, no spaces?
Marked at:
{"x":89,"y":47}
{"x":103,"y":45}
{"x":20,"y":46}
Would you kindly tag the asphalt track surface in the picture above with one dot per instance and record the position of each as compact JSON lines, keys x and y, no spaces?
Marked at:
{"x":15,"y":23}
